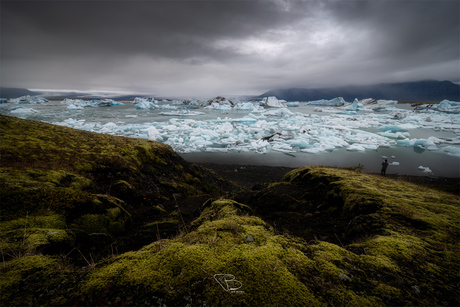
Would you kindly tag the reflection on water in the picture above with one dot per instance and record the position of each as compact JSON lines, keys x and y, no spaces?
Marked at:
{"x":440,"y":164}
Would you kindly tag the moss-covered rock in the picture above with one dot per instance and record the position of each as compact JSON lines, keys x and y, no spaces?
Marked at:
{"x":182,"y":270}
{"x":100,"y":184}
{"x":90,"y":219}
{"x":38,"y":280}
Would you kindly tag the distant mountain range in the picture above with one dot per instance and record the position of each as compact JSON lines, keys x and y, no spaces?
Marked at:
{"x":408,"y":91}
{"x":9,"y":92}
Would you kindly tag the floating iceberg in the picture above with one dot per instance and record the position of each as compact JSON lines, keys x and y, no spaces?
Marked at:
{"x":445,"y":106}
{"x":23,"y":110}
{"x":219,"y":103}
{"x":140,"y":99}
{"x":28,"y":99}
{"x":165,"y":107}
{"x":107,"y":103}
{"x":154,"y":134}
{"x":452,"y":151}
{"x":292,"y":104}
{"x":182,"y":113}
{"x":449,"y":106}
{"x":78,"y":104}
{"x":265,"y":130}
{"x":217,"y":106}
{"x":144,"y":104}
{"x":425,"y":169}
{"x":379,"y":105}
{"x":336,"y":102}
{"x":247,"y":106}
{"x":356,"y":106}
{"x":74,"y":107}
{"x":273,"y":102}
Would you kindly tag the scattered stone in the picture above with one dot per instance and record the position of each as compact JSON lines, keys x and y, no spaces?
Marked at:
{"x":344,"y":277}
{"x":249,"y":238}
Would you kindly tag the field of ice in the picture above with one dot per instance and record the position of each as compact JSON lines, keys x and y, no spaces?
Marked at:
{"x":422,"y":140}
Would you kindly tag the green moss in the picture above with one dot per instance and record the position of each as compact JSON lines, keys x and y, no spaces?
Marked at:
{"x":191,"y":179}
{"x":389,"y":242}
{"x":32,"y":233}
{"x":272,"y":269}
{"x":176,"y":268}
{"x":396,"y":246}
{"x":163,"y":222}
{"x":386,"y":292}
{"x":35,"y":280}
{"x":112,"y":223}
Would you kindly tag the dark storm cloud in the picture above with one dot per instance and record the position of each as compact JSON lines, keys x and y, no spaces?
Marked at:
{"x":210,"y":47}
{"x":405,"y":27}
{"x":173,"y":29}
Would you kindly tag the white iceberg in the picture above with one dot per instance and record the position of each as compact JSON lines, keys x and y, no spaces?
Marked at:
{"x":356,"y":106}
{"x":108,"y":102}
{"x":182,"y":113}
{"x":246,"y":106}
{"x":335,"y":102}
{"x":219,"y":101}
{"x":140,"y":99}
{"x":273,"y":102}
{"x":28,"y":100}
{"x":425,"y":169}
{"x":154,"y":134}
{"x":279,"y":112}
{"x":452,"y":151}
{"x":448,"y":106}
{"x":379,"y":105}
{"x":292,"y":104}
{"x":165,"y":107}
{"x":144,"y":104}
{"x":23,"y":110}
{"x":80,"y":102}
{"x":216,"y":106}
{"x":74,"y":107}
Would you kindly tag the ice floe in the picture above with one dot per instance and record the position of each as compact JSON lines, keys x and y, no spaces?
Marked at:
{"x":219,"y":102}
{"x":23,"y":110}
{"x":80,"y":104}
{"x":336,"y":102}
{"x":182,"y":113}
{"x":445,"y":106}
{"x":28,"y":100}
{"x":425,"y":169}
{"x":272,"y":102}
{"x":272,"y":125}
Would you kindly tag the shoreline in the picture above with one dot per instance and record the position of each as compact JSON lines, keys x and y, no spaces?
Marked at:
{"x":255,"y":177}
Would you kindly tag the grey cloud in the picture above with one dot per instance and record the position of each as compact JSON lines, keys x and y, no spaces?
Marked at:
{"x":222,"y":46}
{"x":161,"y":28}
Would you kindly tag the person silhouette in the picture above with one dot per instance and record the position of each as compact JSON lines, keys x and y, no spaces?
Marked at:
{"x":384,"y":167}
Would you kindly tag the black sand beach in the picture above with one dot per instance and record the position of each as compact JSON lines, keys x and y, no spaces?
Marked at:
{"x":256,"y":176}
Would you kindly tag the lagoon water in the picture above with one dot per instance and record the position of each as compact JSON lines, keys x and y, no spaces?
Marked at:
{"x":426,"y":143}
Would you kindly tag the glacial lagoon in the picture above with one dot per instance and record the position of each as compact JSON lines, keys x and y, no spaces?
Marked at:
{"x":415,"y":142}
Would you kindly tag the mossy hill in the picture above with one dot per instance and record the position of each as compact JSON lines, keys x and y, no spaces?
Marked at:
{"x":96,"y":220}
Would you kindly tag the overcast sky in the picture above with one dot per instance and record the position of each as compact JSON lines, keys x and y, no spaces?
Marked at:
{"x":223,"y":47}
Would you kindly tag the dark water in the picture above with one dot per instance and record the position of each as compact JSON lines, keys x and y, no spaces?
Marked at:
{"x":409,"y":161}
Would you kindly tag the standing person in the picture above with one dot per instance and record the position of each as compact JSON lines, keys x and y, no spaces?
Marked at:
{"x":384,"y":167}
